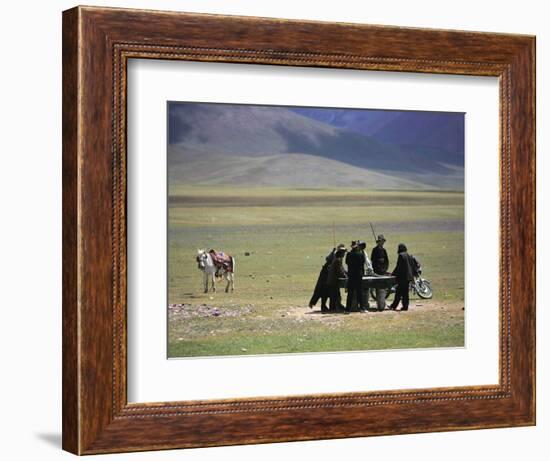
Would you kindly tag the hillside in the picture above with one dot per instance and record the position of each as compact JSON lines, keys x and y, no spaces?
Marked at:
{"x":263,"y":145}
{"x":443,"y":132}
{"x":288,"y":169}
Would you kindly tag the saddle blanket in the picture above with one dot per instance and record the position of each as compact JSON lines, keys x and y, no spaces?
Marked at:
{"x":222,"y":260}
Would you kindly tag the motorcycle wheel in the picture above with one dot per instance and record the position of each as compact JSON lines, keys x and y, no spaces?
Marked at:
{"x":423,"y":289}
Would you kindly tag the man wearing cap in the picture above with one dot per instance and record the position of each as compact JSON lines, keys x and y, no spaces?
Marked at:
{"x":379,"y":257}
{"x":404,"y":274}
{"x":356,"y":261}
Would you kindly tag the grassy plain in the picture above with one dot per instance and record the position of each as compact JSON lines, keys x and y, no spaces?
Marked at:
{"x":287,"y":233}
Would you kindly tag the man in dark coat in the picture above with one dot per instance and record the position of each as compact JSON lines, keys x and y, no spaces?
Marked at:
{"x":355,"y":261}
{"x":404,"y":274}
{"x":335,"y":273}
{"x":321,"y":289}
{"x":379,"y":257}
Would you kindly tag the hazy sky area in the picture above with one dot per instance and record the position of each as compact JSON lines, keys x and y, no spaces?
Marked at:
{"x":274,"y":145}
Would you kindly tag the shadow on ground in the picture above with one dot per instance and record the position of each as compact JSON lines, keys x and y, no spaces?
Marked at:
{"x":51,"y":438}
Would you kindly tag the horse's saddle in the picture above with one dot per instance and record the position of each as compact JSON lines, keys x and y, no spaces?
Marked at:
{"x":222,"y":260}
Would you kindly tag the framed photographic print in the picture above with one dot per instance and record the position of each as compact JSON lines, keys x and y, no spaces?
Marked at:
{"x":282,"y":230}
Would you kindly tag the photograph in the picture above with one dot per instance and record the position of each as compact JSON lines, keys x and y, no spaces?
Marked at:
{"x":275,"y":230}
{"x":313,"y":229}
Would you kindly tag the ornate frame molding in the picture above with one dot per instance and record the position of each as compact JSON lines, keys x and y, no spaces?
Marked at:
{"x":98,"y":43}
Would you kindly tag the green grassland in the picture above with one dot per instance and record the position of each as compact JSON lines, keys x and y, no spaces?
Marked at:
{"x":287,"y":233}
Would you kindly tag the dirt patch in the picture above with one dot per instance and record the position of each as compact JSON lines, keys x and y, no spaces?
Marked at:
{"x":300,"y":312}
{"x":303,"y":314}
{"x":187,"y":311}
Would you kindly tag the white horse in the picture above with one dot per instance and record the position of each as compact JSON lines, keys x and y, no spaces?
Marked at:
{"x":209,"y":269}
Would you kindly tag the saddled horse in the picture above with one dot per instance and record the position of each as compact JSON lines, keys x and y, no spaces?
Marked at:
{"x":212,"y":269}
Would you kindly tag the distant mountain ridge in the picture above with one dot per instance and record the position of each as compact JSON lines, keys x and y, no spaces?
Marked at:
{"x":435,"y":130}
{"x":244,"y":144}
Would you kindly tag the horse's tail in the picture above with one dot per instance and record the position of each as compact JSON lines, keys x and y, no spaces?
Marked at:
{"x":232,"y":264}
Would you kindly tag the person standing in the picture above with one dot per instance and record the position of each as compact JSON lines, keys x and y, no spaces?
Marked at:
{"x":356,"y":261}
{"x":321,"y":289}
{"x":335,"y":273}
{"x":379,"y":257}
{"x":404,"y":274}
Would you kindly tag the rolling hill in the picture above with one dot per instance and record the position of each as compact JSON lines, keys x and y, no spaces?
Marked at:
{"x":265,"y":145}
{"x":287,"y":169}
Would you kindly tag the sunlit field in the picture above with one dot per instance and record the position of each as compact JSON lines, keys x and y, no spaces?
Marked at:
{"x":279,"y":238}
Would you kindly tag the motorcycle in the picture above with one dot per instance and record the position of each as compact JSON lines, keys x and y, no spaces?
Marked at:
{"x":418,"y":286}
{"x":421,"y":286}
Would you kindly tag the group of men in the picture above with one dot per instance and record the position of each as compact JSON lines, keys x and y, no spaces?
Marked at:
{"x":358,"y":265}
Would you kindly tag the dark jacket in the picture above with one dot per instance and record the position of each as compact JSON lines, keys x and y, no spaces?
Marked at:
{"x":335,"y":272}
{"x":330,"y":257}
{"x":403,"y":269}
{"x":355,"y":261}
{"x":380,"y":260}
{"x":321,"y":288}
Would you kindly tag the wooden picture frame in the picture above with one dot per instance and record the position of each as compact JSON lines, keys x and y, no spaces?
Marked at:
{"x":97,"y":43}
